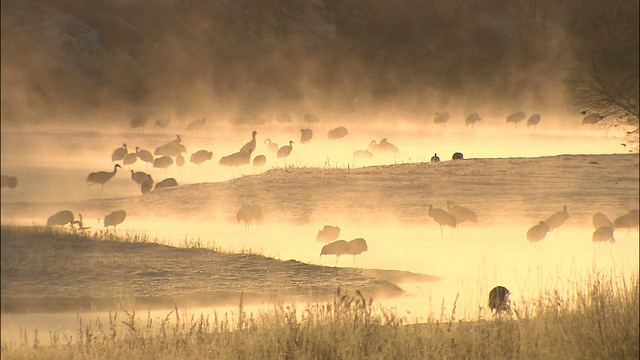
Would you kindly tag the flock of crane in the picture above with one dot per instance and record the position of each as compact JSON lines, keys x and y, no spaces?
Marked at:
{"x":172,"y":152}
{"x":67,"y":217}
{"x":604,"y":228}
{"x":440,"y":118}
{"x":454,"y":215}
{"x":252,"y":214}
{"x":164,"y":156}
{"x":336,"y":247}
{"x":175,"y":149}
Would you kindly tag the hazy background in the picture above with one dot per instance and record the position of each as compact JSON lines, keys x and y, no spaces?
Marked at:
{"x":102,"y":62}
{"x":74,"y":74}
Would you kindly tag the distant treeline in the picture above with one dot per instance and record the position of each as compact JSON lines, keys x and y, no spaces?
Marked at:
{"x":62,"y":57}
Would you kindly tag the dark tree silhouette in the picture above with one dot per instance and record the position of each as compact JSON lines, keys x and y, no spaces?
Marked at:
{"x":604,"y":77}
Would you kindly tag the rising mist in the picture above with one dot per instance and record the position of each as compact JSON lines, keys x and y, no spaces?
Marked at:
{"x":103,"y":62}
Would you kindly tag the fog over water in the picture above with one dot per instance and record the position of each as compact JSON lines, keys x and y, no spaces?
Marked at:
{"x":78,"y":150}
{"x":52,"y":167}
{"x":381,"y":72}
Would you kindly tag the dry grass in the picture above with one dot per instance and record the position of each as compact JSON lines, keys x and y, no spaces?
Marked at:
{"x":599,"y":321}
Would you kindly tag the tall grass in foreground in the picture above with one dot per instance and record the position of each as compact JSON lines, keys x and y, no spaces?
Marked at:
{"x":598,"y":320}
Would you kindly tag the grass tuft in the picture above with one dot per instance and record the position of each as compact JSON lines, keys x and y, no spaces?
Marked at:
{"x":595,"y":320}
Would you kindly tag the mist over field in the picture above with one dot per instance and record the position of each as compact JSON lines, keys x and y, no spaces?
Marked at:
{"x":386,"y":88}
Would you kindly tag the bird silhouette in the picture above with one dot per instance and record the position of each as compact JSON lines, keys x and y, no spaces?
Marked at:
{"x":61,"y":218}
{"x":472,"y":119}
{"x":386,"y":146}
{"x":435,"y":158}
{"x":442,"y":217}
{"x":138,"y":121}
{"x":499,"y":300}
{"x":337,"y":133}
{"x":201,"y":156}
{"x":101,"y":177}
{"x":356,"y":247}
{"x":337,"y":248}
{"x":163,"y":162}
{"x":251,"y":145}
{"x":285,"y":151}
{"x":461,"y":213}
{"x":196,"y":124}
{"x":537,"y":232}
{"x":628,"y":220}
{"x":180,"y":160}
{"x":166,"y":183}
{"x":144,"y":155}
{"x":516,"y":117}
{"x":306,"y":135}
{"x":271,"y":146}
{"x":259,"y":161}
{"x":557,"y":219}
{"x":162,"y":123}
{"x":341,"y":247}
{"x":115,"y":218}
{"x":176,"y":141}
{"x":9,"y":181}
{"x":140,"y":177}
{"x":146,"y":187}
{"x":534,"y":120}
{"x":599,"y":219}
{"x":603,"y":234}
{"x":130,"y":159}
{"x":119,"y":153}
{"x":235,"y":159}
{"x":457,"y":156}
{"x":172,"y":148}
{"x":362,"y":155}
{"x":328,"y":233}
{"x":167,"y":150}
{"x":441,"y":119}
{"x":311,"y":118}
{"x":591,"y":119}
{"x":249,"y":214}
{"x":383,"y":146}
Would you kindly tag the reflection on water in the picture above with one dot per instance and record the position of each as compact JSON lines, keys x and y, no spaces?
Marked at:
{"x":469,"y":261}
